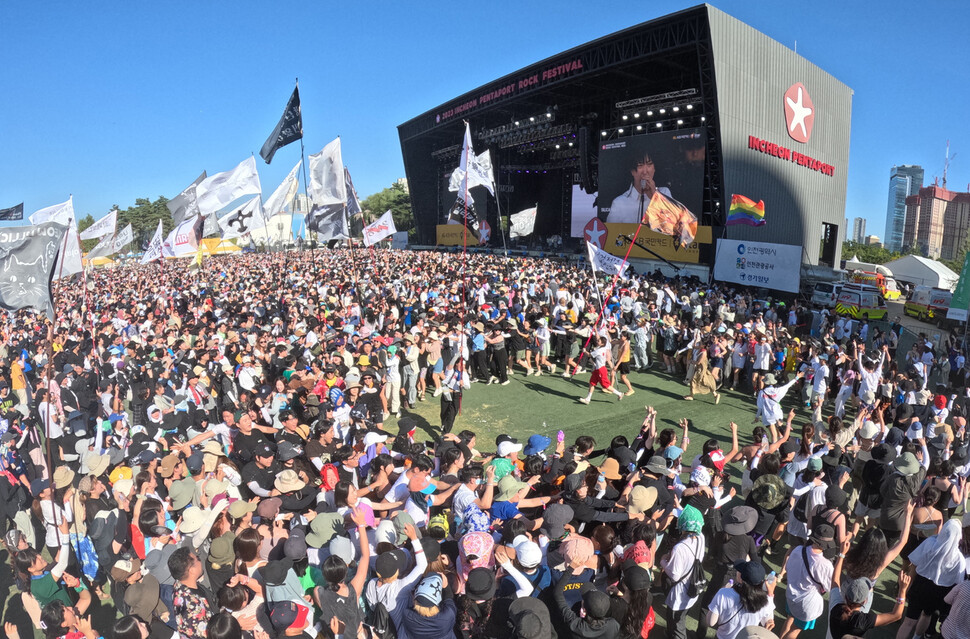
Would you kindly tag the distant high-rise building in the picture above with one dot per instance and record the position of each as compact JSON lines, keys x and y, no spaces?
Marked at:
{"x":904,"y":180}
{"x":403,"y":183}
{"x":937,"y":222}
{"x":859,"y":230}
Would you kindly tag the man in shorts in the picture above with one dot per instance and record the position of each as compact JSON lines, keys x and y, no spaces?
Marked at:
{"x":600,"y":356}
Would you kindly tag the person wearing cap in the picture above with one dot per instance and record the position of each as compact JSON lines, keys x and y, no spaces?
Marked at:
{"x":433,"y":612}
{"x":769,"y":399}
{"x":748,"y":602}
{"x":523,"y":564}
{"x":392,"y":587}
{"x":848,"y":618}
{"x":260,"y":474}
{"x":810,"y":575}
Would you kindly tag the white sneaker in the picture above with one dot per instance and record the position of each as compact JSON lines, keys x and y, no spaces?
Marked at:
{"x":492,"y":379}
{"x":552,"y":369}
{"x":506,"y":382}
{"x":511,"y":372}
{"x":538,"y":373}
{"x":438,"y":392}
{"x":583,"y":400}
{"x":566,"y":373}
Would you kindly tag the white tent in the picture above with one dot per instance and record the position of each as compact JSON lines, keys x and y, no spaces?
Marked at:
{"x":914,"y":269}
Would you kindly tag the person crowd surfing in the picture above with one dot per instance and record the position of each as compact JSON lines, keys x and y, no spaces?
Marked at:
{"x":230,"y":453}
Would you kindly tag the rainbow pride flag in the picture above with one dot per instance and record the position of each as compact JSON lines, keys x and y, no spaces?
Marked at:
{"x":744,"y":211}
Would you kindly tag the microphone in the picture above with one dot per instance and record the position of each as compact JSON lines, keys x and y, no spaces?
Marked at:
{"x":643,"y":184}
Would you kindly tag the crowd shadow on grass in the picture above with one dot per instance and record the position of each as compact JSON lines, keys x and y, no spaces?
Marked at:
{"x":422,"y":423}
{"x":546,"y":390}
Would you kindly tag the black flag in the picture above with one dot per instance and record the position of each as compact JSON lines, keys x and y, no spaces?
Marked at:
{"x":13,"y":213}
{"x":456,"y":215}
{"x":289,"y":129}
{"x":28,"y":255}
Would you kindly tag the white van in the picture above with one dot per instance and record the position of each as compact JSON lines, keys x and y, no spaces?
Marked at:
{"x":826,"y":294}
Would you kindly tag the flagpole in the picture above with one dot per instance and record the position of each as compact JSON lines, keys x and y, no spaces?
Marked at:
{"x":498,"y":207}
{"x":306,"y":192}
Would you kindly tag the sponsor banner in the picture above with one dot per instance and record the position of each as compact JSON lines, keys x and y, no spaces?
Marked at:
{"x":617,"y":243}
{"x":961,"y":297}
{"x":453,"y":235}
{"x":763,"y":264}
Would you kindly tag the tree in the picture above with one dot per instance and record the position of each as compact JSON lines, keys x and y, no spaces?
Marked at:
{"x":82,"y":224}
{"x":868,"y":253}
{"x":395,"y":199}
{"x":144,"y":217}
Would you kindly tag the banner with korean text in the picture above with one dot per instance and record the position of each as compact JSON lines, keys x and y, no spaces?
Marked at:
{"x":761,"y":264}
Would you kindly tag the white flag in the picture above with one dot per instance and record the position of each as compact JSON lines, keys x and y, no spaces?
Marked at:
{"x":101,"y":248}
{"x":383,"y":227}
{"x":122,"y":240}
{"x":62,"y":213}
{"x":522,"y":223}
{"x":604,"y":262}
{"x":183,"y":239}
{"x":477,"y":168}
{"x":283,"y":196}
{"x":69,"y":257}
{"x":104,"y":226}
{"x":222,"y":189}
{"x":245,"y":219}
{"x":327,"y":184}
{"x":154,"y":250}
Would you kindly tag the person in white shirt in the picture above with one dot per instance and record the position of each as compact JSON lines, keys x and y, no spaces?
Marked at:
{"x":601,"y":357}
{"x":809,"y":579}
{"x":625,"y":207}
{"x":749,"y":602}
{"x":678,"y":566}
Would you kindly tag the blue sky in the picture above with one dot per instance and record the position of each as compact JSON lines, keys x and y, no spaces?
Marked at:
{"x":112,"y":101}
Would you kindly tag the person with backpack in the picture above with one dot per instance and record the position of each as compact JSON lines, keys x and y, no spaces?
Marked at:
{"x":683,"y":573}
{"x":749,"y":601}
{"x":810,"y":575}
{"x":388,"y":593}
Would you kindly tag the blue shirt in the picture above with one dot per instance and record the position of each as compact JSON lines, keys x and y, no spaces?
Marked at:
{"x":504,"y":510}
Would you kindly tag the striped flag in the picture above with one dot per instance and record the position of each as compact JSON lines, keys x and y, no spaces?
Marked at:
{"x":744,"y":211}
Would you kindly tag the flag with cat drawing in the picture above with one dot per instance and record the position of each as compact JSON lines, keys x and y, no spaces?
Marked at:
{"x":28,"y":256}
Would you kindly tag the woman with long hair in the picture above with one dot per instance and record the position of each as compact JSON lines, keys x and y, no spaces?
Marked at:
{"x":939,"y":565}
{"x":60,"y":620}
{"x":246,"y":547}
{"x":748,"y":602}
{"x":639,"y":618}
{"x":703,"y":380}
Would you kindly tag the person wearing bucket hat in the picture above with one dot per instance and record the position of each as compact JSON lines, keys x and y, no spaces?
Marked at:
{"x":678,"y":565}
{"x":897,"y":490}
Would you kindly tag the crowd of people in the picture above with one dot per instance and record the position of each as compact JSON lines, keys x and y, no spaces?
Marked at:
{"x":233,"y":453}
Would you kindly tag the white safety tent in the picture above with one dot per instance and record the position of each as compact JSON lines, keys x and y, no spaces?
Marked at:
{"x":918,"y":270}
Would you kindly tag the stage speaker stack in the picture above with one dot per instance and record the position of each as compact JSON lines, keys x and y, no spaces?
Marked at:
{"x":585,"y":176}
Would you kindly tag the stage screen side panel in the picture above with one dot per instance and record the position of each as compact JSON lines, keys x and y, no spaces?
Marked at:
{"x":671,"y":162}
{"x":582,"y":210}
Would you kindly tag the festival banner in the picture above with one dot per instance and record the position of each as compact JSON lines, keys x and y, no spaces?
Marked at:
{"x":761,"y":264}
{"x":154,"y":250}
{"x":668,"y":216}
{"x":328,"y":183}
{"x":523,"y":223}
{"x":123,"y":239}
{"x":62,"y":213}
{"x":104,"y":226}
{"x":27,"y":263}
{"x":102,"y":248}
{"x":377,"y":231}
{"x":185,"y":204}
{"x":13,"y":213}
{"x":222,"y":189}
{"x":328,"y":222}
{"x":960,"y":301}
{"x":242,"y":220}
{"x":604,"y":262}
{"x":282,"y":197}
{"x":69,"y":259}
{"x":618,"y":237}
{"x":288,"y":129}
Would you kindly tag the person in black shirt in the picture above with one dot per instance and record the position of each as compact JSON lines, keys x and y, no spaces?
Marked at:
{"x":246,"y":440}
{"x":847,"y":619}
{"x":258,"y":475}
{"x":732,"y":545}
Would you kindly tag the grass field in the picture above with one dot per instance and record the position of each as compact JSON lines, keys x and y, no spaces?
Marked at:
{"x":521,"y":408}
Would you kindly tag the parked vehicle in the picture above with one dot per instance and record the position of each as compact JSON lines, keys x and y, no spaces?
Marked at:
{"x":886,"y":284}
{"x":826,"y":293}
{"x":927,"y":302}
{"x":860,"y":301}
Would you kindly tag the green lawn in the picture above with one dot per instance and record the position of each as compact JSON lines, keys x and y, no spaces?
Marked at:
{"x":521,"y":408}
